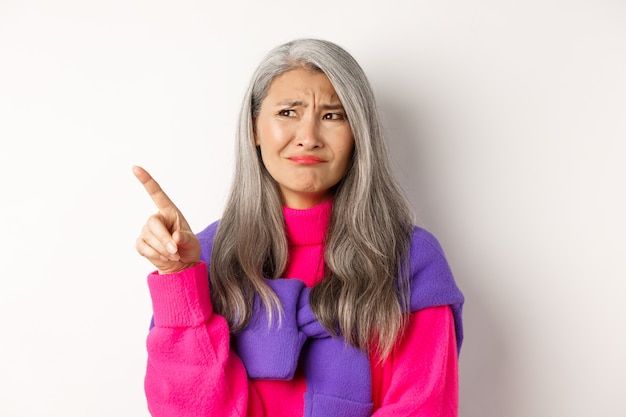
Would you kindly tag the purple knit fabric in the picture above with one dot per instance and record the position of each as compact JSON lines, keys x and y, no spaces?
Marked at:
{"x":337,"y":375}
{"x":332,"y":368}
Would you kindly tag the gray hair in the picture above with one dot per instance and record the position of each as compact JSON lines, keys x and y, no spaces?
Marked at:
{"x":364,"y":292}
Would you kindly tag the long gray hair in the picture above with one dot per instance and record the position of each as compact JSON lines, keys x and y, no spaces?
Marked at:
{"x":364,"y":292}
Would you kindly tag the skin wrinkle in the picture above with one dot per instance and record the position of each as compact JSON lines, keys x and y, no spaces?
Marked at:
{"x":298,"y":125}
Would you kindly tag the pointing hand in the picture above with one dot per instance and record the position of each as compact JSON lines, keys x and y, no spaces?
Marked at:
{"x":166,"y":240}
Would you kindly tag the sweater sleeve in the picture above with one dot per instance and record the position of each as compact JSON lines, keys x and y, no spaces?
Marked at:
{"x":421,"y":376}
{"x":191,"y":369}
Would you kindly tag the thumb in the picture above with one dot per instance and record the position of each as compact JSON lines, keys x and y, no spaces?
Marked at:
{"x":187,"y":244}
{"x":183,"y":237}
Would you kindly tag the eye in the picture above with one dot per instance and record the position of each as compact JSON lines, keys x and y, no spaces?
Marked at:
{"x":287,"y":113}
{"x":334,"y":116}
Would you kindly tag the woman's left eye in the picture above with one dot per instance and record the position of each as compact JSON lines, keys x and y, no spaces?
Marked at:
{"x":334,"y":116}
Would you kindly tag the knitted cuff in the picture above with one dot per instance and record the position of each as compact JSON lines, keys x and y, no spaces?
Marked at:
{"x":335,"y":373}
{"x":182,"y":299}
{"x":320,"y":405}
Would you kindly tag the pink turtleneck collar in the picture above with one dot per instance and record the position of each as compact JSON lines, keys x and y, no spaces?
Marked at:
{"x":307,"y":227}
{"x":306,"y":230}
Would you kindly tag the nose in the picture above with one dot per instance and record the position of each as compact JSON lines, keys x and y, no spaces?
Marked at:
{"x":308,"y":133}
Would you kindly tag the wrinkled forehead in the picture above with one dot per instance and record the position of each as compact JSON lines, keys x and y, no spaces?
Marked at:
{"x":301,"y":87}
{"x":263,"y":84}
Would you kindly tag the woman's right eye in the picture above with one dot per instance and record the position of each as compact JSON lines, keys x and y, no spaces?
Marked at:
{"x":287,"y":113}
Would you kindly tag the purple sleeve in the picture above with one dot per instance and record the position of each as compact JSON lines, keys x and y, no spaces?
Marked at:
{"x":431,"y":280}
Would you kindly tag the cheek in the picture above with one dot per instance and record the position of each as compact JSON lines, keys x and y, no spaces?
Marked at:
{"x":271,"y":135}
{"x":344,"y":159}
{"x":270,"y":146}
{"x":347,"y":150}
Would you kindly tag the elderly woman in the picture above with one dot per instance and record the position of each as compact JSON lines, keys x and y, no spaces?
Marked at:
{"x":314,"y":294}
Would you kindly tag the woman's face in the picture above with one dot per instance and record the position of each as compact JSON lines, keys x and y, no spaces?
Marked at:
{"x":305,"y":138}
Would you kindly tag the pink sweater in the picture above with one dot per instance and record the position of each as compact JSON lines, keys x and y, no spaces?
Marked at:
{"x":192,"y":371}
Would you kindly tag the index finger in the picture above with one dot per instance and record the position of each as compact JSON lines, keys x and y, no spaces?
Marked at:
{"x":153,"y":188}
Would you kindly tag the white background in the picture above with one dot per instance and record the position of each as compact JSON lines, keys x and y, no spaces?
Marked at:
{"x":506,"y":119}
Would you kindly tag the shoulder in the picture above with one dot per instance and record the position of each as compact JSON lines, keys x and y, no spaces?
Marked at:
{"x":206,"y":237}
{"x":431,"y":279}
{"x":424,"y":239}
{"x":425,"y":246}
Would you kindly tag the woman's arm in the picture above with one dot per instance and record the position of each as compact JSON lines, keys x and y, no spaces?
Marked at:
{"x":420,"y":378}
{"x":191,"y":369}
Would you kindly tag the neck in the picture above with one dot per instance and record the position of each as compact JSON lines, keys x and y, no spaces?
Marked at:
{"x":304,"y":201}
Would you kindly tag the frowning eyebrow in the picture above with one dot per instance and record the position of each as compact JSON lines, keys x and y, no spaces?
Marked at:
{"x":298,"y":103}
{"x":290,"y":103}
{"x":334,"y":106}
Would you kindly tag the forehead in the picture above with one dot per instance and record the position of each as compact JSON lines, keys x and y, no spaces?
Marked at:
{"x":302,"y":83}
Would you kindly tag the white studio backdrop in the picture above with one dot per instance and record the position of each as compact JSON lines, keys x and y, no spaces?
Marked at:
{"x":507,"y":125}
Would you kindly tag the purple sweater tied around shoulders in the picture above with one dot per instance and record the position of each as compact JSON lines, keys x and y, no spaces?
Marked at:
{"x":338,"y":376}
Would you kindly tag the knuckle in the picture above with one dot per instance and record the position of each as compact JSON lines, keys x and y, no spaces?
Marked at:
{"x":155,"y":218}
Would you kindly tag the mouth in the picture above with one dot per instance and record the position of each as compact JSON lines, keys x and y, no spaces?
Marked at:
{"x":306,"y":159}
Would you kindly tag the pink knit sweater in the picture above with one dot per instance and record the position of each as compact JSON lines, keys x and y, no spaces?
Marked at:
{"x":192,"y":371}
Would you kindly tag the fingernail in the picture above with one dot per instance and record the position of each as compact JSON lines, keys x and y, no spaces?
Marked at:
{"x":171,"y":248}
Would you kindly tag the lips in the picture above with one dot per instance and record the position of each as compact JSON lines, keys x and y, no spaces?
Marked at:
{"x":306,"y":159}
